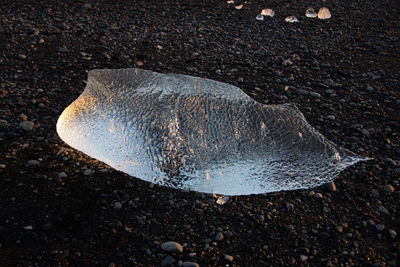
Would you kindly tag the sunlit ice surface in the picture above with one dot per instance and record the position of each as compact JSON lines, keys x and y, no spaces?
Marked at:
{"x":198,"y":134}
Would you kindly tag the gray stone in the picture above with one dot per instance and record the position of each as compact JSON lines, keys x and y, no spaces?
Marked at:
{"x":190,"y":264}
{"x":33,"y":162}
{"x":117,"y":205}
{"x":303,"y":258}
{"x":228,"y":258}
{"x":331,"y":117}
{"x":389,"y":188}
{"x":380,"y":227}
{"x":62,"y":175}
{"x":27,"y":125}
{"x":331,"y":186}
{"x":219,"y":236}
{"x":383,"y":210}
{"x":172,"y":246}
{"x":167,"y":260}
{"x":392,"y":233}
{"x":315,"y":94}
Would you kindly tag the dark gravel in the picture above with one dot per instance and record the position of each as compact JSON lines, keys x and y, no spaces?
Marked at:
{"x":58,"y":206}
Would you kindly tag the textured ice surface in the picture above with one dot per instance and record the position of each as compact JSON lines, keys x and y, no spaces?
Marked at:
{"x":187,"y":132}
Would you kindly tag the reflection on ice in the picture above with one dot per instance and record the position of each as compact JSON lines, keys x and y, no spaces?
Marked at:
{"x":193,"y":133}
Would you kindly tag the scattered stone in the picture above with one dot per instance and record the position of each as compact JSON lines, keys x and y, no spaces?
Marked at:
{"x":383,"y":210}
{"x":29,"y":227}
{"x":380,"y":227}
{"x":238,"y":7}
{"x":190,"y":264}
{"x":318,"y":195}
{"x":331,"y":117}
{"x":392,"y":233}
{"x":260,"y":17}
{"x":228,"y":258}
{"x":62,"y":175}
{"x":324,"y":13}
{"x":33,"y":162}
{"x":172,"y":246}
{"x":315,"y":94}
{"x":168,"y":260}
{"x":27,"y":125}
{"x":22,"y":56}
{"x":303,"y":258}
{"x":23,"y":117}
{"x":117,"y":205}
{"x":219,"y":237}
{"x":389,"y":188}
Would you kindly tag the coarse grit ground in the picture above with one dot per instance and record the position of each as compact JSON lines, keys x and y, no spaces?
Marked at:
{"x":60,"y":207}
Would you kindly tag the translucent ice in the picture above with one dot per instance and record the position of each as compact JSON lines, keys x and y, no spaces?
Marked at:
{"x":324,"y":13}
{"x":268,"y":12}
{"x":193,"y":133}
{"x":291,"y":19}
{"x":260,"y":17}
{"x":310,"y":13}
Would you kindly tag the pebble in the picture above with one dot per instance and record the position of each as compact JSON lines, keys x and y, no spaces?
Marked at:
{"x":62,"y":175}
{"x":190,"y":264}
{"x":228,"y":258}
{"x":168,"y":260}
{"x":27,"y":125}
{"x":318,"y":195}
{"x":29,"y":227}
{"x":303,"y":258}
{"x":389,"y":188}
{"x":172,"y":246}
{"x":315,"y":94}
{"x":117,"y":205}
{"x":380,"y":227}
{"x":219,"y":237}
{"x":23,"y":117}
{"x":331,"y":117}
{"x":392,"y":233}
{"x":331,"y":186}
{"x":383,"y":210}
{"x":33,"y":162}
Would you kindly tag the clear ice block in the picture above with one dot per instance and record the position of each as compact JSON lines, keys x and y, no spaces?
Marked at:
{"x":194,"y":133}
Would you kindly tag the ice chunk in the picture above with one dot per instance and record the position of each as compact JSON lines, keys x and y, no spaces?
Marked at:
{"x":193,"y":133}
{"x":291,"y":19}
{"x":268,"y":12}
{"x":324,"y":13}
{"x":310,"y":13}
{"x":260,"y":17}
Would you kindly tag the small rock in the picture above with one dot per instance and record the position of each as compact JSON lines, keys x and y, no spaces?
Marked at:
{"x":172,"y":246}
{"x":389,"y":188}
{"x":22,"y":56}
{"x":228,"y":258}
{"x":239,"y":7}
{"x":27,"y":125}
{"x":310,"y":13}
{"x":3,"y":166}
{"x":303,"y":258}
{"x":380,"y":227}
{"x":219,"y":237}
{"x":331,"y":117}
{"x":23,"y":117}
{"x":260,"y":17}
{"x":62,"y":175}
{"x":168,"y":260}
{"x":117,"y":205}
{"x":392,"y":233}
{"x":315,"y":94}
{"x":33,"y":162}
{"x":318,"y":195}
{"x":383,"y":210}
{"x":29,"y":227}
{"x":87,"y":172}
{"x":190,"y":264}
{"x":331,"y":186}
